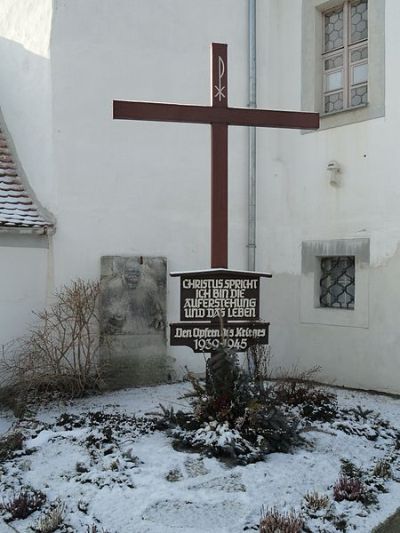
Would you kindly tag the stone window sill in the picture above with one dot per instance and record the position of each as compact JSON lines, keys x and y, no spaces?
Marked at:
{"x":310,"y":310}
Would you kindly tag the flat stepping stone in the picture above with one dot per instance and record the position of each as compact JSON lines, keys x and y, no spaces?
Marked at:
{"x":210,"y":518}
{"x":195,"y":467}
{"x":231,"y":483}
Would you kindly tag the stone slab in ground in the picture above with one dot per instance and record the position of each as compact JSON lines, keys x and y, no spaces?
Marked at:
{"x":231,"y":483}
{"x":195,"y":515}
{"x":195,"y":467}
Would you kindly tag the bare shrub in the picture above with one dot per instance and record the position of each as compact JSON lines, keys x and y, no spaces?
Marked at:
{"x":317,"y":505}
{"x":298,"y":388}
{"x":291,"y":379}
{"x":347,"y":488}
{"x":52,"y":520}
{"x":61,"y":351}
{"x":316,"y":502}
{"x":94,"y":528}
{"x":273,"y":521}
{"x":21,"y":505}
{"x":355,"y":485}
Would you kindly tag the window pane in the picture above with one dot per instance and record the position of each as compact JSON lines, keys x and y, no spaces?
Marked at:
{"x":337,"y":282}
{"x":359,"y":73}
{"x":334,"y":81}
{"x":359,"y":96}
{"x":333,"y":102}
{"x":334,"y":62}
{"x":359,"y":20}
{"x":359,"y":54}
{"x":334,"y":30}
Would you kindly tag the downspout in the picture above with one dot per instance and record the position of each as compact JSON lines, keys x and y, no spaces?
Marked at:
{"x":252,"y":171}
{"x":50,"y":266}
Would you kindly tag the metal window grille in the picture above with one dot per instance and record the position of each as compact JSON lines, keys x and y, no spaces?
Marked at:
{"x":337,"y":282}
{"x":345,"y":56}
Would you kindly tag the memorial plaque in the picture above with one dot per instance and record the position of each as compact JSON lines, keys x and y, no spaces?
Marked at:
{"x":206,"y":337}
{"x":228,"y":296}
{"x":228,"y":300}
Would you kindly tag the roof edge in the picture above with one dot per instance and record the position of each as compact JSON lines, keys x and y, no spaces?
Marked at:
{"x":47,"y":216}
{"x":28,"y":230}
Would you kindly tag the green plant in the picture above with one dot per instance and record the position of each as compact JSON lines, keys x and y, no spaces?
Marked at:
{"x":350,"y":470}
{"x":355,"y":485}
{"x":383,"y":469}
{"x":360,"y":413}
{"x":10,"y":443}
{"x":232,"y":417}
{"x":174,"y":475}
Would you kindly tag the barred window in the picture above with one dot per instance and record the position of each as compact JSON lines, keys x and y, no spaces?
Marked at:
{"x":345,"y":56}
{"x":337,"y":283}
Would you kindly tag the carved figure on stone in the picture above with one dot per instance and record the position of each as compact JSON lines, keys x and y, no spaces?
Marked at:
{"x":133,"y":297}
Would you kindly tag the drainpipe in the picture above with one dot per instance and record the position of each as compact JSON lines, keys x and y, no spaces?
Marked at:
{"x":251,"y":222}
{"x":50,"y":266}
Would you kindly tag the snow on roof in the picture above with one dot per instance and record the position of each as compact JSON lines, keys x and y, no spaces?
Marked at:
{"x":17,"y":208}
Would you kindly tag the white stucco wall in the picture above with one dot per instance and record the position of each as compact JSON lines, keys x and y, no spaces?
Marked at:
{"x":133,"y":187}
{"x":123,"y":187}
{"x":298,"y":204}
{"x":25,"y":91}
{"x":23,"y":281}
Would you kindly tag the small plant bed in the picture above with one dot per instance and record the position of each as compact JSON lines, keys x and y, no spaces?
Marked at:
{"x":282,"y":455}
{"x":233,"y":417}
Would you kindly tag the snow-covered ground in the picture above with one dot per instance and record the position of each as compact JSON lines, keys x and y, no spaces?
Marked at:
{"x":112,"y":473}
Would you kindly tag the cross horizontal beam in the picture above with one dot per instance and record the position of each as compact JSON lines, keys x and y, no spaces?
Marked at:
{"x":232,"y":116}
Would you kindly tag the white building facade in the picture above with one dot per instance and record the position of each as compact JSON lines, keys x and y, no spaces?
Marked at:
{"x":326,"y":200}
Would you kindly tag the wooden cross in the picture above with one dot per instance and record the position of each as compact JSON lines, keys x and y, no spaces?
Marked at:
{"x":220,"y":116}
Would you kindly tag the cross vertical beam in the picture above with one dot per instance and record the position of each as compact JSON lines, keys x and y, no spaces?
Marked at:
{"x":219,"y":116}
{"x":219,"y":196}
{"x":219,"y":160}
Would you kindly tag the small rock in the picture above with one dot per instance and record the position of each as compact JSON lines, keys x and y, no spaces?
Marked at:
{"x":25,"y":466}
{"x":174,"y":475}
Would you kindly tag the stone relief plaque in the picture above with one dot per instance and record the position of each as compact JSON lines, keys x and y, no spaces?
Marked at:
{"x":133,"y":318}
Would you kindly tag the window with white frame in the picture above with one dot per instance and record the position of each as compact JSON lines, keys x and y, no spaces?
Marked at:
{"x":334,"y":283}
{"x":355,"y":30}
{"x":345,"y":56}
